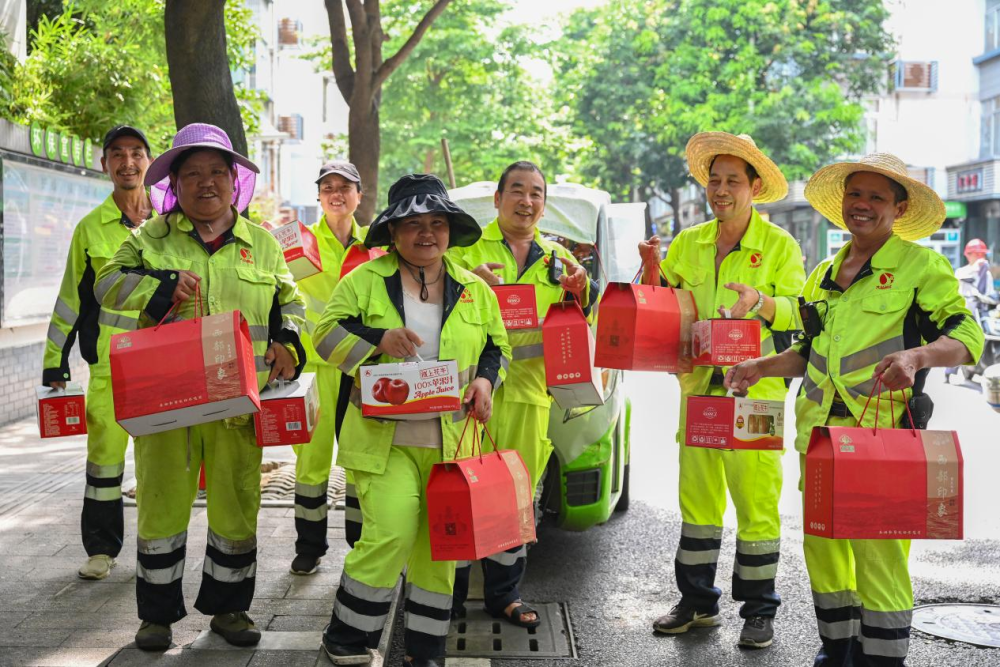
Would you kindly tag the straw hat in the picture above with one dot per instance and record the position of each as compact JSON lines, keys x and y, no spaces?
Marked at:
{"x":704,"y":146}
{"x":924,"y":215}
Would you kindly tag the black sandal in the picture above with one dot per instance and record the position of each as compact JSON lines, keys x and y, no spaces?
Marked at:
{"x":514,"y":617}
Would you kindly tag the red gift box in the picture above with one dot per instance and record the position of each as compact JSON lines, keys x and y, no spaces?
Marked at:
{"x":645,"y":328}
{"x":568,"y":345}
{"x":288,"y":412}
{"x":518,"y":306}
{"x":870,"y":483}
{"x":183,"y":373}
{"x":479,"y":506}
{"x":61,"y":412}
{"x":724,"y":342}
{"x":357,"y":255}
{"x":409,"y":390}
{"x":300,"y":248}
{"x":726,"y":422}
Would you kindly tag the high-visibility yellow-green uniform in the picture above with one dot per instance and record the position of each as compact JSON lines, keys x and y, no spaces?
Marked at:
{"x":391,"y":478}
{"x":246,"y":271}
{"x":521,"y":406}
{"x":313,"y":461}
{"x":905,"y":296}
{"x":768,"y":259}
{"x":77,"y":314}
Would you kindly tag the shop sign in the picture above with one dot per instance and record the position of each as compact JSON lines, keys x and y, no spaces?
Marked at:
{"x":954,"y":209}
{"x":969,"y":181}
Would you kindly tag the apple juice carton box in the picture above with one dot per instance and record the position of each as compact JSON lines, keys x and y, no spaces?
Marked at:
{"x":288,"y":412}
{"x":409,"y":390}
{"x":300,"y":248}
{"x":728,"y":422}
{"x":61,"y":412}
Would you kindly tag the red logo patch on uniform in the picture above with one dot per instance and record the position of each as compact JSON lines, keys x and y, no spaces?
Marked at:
{"x":755,"y":260}
{"x":466,"y":297}
{"x":885,"y":281}
{"x":245,"y":256}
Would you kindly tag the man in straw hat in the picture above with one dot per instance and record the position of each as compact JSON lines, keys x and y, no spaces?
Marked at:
{"x":738,"y":254}
{"x":885,"y":309}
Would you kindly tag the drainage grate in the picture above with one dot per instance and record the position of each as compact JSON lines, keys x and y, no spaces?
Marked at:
{"x":977,"y":624}
{"x":479,"y":635}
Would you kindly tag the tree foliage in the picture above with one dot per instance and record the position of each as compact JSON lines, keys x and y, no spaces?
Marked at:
{"x":96,"y":64}
{"x":641,"y":77}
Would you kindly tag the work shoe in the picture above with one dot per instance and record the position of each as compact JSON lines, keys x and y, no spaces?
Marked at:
{"x":420,"y":662}
{"x":96,"y":567}
{"x":236,"y":628}
{"x":153,"y":637}
{"x":346,"y":654}
{"x":681,"y":619}
{"x":304,"y":564}
{"x":758,"y":632}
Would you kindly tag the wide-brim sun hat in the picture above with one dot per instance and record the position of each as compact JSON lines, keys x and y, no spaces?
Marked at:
{"x":199,"y":135}
{"x":703,"y":147}
{"x":416,"y":194}
{"x":924,"y":214}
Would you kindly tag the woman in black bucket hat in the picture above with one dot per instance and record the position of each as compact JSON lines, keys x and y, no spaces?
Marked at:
{"x":414,"y":304}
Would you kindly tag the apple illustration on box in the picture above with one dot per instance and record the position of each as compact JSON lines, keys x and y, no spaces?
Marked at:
{"x":396,"y":391}
{"x":378,"y":390}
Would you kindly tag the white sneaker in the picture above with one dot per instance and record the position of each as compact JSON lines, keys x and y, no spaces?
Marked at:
{"x":97,"y":567}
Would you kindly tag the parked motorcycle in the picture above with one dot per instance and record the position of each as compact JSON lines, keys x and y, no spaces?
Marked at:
{"x":986,"y":310}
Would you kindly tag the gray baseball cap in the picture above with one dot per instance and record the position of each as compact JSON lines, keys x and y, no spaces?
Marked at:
{"x":341,"y":168}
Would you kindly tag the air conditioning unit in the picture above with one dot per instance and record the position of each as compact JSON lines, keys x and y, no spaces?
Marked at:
{"x":288,"y":32}
{"x":917,"y":76}
{"x":291,"y":125}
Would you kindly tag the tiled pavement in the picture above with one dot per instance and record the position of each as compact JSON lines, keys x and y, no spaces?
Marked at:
{"x":48,"y":616}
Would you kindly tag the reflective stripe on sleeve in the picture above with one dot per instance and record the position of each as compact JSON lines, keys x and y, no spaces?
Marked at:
{"x":57,"y":337}
{"x":63,"y":310}
{"x":527,"y":352}
{"x":130,"y":282}
{"x":325,"y":347}
{"x":870,"y":355}
{"x":358,"y":353}
{"x":117,"y":321}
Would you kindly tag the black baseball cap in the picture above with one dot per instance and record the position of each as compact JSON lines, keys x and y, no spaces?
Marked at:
{"x":125,"y":131}
{"x":341,"y":168}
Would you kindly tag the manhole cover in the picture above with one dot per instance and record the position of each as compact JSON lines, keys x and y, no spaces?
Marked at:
{"x":277,"y":486}
{"x":977,"y":624}
{"x":479,"y":635}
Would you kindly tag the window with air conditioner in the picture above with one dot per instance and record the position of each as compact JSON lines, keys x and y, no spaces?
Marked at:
{"x":917,"y":76}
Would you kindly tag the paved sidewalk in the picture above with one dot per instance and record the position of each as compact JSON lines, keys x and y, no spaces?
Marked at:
{"x":48,"y":616}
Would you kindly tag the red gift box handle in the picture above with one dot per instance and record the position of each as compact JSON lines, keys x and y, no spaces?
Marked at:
{"x":198,"y":312}
{"x":477,"y":445}
{"x":876,"y":389}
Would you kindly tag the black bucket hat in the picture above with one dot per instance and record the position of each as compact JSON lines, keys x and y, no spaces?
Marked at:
{"x":415,"y":194}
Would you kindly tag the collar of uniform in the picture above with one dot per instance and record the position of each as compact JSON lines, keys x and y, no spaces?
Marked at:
{"x":492,"y":232}
{"x":239,"y":229}
{"x":887,"y":256}
{"x":109,"y":210}
{"x":753,"y":237}
{"x":388,"y":265}
{"x":321,"y":229}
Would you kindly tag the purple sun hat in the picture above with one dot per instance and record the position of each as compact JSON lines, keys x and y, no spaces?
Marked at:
{"x":199,"y":135}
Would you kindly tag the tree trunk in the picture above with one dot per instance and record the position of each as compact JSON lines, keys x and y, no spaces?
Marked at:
{"x":364,"y":141}
{"x":199,"y":67}
{"x":675,"y":206}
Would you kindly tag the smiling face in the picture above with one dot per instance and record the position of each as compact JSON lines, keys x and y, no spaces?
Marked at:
{"x":338,"y":196}
{"x":204,"y":185}
{"x":421,"y":239}
{"x":125,"y":161}
{"x":521,"y":203}
{"x":730,"y":192}
{"x":870,"y":205}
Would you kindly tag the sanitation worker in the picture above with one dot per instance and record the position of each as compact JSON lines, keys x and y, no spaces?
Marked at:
{"x":882,"y":309}
{"x":201,"y":246}
{"x":78,"y":315}
{"x":513,"y":251}
{"x":416,"y":303}
{"x":339,"y":194}
{"x":737,"y":265}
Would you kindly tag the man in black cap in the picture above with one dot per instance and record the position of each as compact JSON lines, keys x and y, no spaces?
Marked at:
{"x":95,"y":240}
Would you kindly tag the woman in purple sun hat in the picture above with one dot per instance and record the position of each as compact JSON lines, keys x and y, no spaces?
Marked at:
{"x":199,"y":257}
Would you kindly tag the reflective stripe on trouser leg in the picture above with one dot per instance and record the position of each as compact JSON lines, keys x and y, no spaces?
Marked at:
{"x":159,"y":572}
{"x":102,"y":521}
{"x":232,"y":485}
{"x":830,"y":564}
{"x":427,"y":619}
{"x":352,"y":512}
{"x":754,"y":482}
{"x":312,"y":469}
{"x":883,"y":577}
{"x":522,"y":427}
{"x":394,"y":534}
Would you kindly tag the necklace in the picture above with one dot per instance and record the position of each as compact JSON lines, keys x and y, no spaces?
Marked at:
{"x":424,"y":294}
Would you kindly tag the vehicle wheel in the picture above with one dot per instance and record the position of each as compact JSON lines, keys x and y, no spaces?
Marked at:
{"x":622,"y":505}
{"x":541,"y":499}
